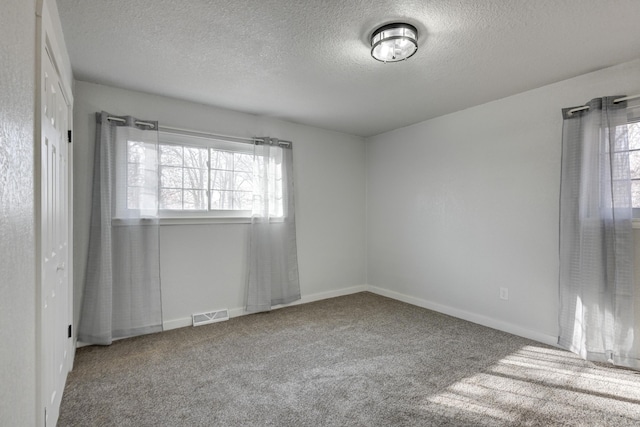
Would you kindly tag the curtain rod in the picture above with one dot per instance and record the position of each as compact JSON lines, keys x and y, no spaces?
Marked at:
{"x":615,"y":101}
{"x":139,"y":123}
{"x":231,"y":138}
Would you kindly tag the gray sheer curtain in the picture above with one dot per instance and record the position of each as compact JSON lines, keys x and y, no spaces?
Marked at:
{"x":122,"y":285}
{"x":596,"y":239}
{"x":273,"y":258}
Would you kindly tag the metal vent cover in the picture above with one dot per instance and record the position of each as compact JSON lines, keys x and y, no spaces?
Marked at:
{"x":210,"y":317}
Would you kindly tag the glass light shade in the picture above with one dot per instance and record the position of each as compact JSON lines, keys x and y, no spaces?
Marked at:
{"x":394,"y":42}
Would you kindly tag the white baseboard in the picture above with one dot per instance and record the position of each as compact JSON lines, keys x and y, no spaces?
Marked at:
{"x":177,"y":323}
{"x":239,"y":311}
{"x":451,"y":311}
{"x":326,"y":295}
{"x":465,"y":315}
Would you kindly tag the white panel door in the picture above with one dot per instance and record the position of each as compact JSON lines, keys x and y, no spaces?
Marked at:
{"x":54,"y":228}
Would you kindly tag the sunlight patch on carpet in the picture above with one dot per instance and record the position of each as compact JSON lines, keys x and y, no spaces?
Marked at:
{"x":541,"y":382}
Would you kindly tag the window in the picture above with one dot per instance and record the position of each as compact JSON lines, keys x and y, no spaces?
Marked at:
{"x":633,"y":135}
{"x":204,"y":179}
{"x":184,"y":173}
{"x":231,"y":181}
{"x":626,"y":146}
{"x":195,"y":176}
{"x":140,"y":189}
{"x":634,"y":161}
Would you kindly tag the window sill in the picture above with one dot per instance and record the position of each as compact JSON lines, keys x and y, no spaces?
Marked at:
{"x":204,"y":220}
{"x":194,"y":220}
{"x":247,"y":220}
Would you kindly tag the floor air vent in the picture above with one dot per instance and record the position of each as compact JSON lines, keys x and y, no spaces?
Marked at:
{"x":210,"y":317}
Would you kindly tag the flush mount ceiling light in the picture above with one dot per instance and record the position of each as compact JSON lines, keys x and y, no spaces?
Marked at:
{"x":394,"y":42}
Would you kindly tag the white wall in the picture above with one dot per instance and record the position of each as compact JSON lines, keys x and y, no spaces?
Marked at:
{"x":203,"y":266}
{"x":17,"y":215}
{"x":464,"y":204}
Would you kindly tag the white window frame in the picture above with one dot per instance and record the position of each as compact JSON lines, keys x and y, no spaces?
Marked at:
{"x":176,"y":216}
{"x":634,"y":117}
{"x":169,"y":216}
{"x":209,"y":143}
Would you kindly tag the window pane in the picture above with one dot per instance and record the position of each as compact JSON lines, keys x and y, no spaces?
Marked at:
{"x":135,"y":152}
{"x":243,"y":162}
{"x":221,"y":160}
{"x":133,"y":198}
{"x":171,"y":155}
{"x":135,"y":174}
{"x":195,"y":200}
{"x":221,"y":180}
{"x":242,"y":200}
{"x":171,"y":177}
{"x":634,"y":163}
{"x":170,"y":199}
{"x":195,"y":157}
{"x":195,"y":178}
{"x":221,"y":200}
{"x":635,"y":193}
{"x":243,"y":181}
{"x":634,"y":136}
{"x":276,"y":207}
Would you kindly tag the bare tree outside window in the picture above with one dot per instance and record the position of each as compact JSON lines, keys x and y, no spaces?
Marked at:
{"x":231,"y":180}
{"x":183,"y":177}
{"x":197,"y":178}
{"x":194,"y":178}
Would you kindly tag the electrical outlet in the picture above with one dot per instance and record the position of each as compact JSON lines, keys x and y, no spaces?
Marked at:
{"x":504,"y":293}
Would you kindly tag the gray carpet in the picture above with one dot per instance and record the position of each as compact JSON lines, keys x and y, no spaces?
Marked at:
{"x":358,"y":360}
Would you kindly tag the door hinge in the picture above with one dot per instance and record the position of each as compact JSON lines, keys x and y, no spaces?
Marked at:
{"x":69,"y":332}
{"x":69,"y":136}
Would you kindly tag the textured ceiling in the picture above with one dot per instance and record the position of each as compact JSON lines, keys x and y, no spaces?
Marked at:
{"x":309,"y":61}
